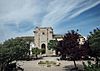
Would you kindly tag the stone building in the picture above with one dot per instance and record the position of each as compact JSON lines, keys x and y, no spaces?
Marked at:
{"x":42,"y":35}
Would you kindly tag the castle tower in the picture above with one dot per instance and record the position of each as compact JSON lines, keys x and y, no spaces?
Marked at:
{"x":42,"y":35}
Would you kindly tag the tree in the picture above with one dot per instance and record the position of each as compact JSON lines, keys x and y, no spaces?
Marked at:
{"x":89,"y":66}
{"x":62,"y":49}
{"x":0,"y":45}
{"x":94,"y":43}
{"x":36,"y":52}
{"x":84,"y":49}
{"x":52,"y":45}
{"x":70,"y":45}
{"x":17,"y":44}
{"x":12,"y":50}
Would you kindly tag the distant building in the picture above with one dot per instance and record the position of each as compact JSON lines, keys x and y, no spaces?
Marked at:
{"x":42,"y":35}
{"x":82,"y":40}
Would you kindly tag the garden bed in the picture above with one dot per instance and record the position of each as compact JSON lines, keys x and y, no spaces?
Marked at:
{"x":49,"y":63}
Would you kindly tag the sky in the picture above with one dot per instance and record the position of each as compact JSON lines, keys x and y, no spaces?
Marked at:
{"x":20,"y":17}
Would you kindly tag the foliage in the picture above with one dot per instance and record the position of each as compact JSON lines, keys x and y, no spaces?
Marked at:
{"x":1,"y":45}
{"x":90,"y":67}
{"x":52,"y":44}
{"x":41,"y":62}
{"x":84,"y":50}
{"x":94,"y":43}
{"x":70,"y":44}
{"x":49,"y":63}
{"x":12,"y":50}
{"x":36,"y":51}
{"x":17,"y":46}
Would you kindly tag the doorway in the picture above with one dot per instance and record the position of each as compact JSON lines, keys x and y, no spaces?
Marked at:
{"x":43,"y":47}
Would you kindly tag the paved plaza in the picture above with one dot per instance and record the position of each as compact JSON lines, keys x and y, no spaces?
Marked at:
{"x":34,"y":66}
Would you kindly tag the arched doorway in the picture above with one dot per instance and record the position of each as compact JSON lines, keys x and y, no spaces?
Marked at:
{"x":43,"y":47}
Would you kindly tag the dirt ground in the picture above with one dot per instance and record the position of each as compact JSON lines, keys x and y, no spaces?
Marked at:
{"x":34,"y":66}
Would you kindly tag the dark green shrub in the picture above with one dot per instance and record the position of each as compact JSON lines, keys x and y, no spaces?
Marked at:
{"x":90,"y":66}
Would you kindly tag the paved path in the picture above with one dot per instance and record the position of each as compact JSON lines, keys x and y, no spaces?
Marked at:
{"x":34,"y":66}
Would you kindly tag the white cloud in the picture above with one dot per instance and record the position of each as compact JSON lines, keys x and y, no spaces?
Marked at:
{"x":54,"y":10}
{"x":40,"y":12}
{"x":85,"y":6}
{"x":65,"y":8}
{"x":17,"y":11}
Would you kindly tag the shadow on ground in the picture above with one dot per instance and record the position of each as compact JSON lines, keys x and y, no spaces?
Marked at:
{"x":72,"y":68}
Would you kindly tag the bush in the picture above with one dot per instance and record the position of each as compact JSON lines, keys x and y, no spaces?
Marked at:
{"x":91,"y":67}
{"x":42,"y":62}
{"x":49,"y":63}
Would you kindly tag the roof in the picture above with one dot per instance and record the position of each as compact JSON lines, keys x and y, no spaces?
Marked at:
{"x":44,"y":28}
{"x":58,"y":36}
{"x":27,"y":38}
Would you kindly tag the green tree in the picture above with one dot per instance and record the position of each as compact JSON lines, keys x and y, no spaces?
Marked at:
{"x":52,"y":45}
{"x":89,"y":66}
{"x":36,"y":52}
{"x":94,"y":43}
{"x":0,"y":45}
{"x":12,"y":50}
{"x":17,"y":44}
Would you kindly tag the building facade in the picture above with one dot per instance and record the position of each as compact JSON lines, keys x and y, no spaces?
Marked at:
{"x":42,"y":35}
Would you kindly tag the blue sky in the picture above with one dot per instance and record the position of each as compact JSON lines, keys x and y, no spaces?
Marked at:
{"x":20,"y":17}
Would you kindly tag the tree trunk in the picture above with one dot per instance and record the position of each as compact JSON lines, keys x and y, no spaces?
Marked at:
{"x":74,"y":63}
{"x":0,"y":67}
{"x":75,"y":68}
{"x":3,"y":66}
